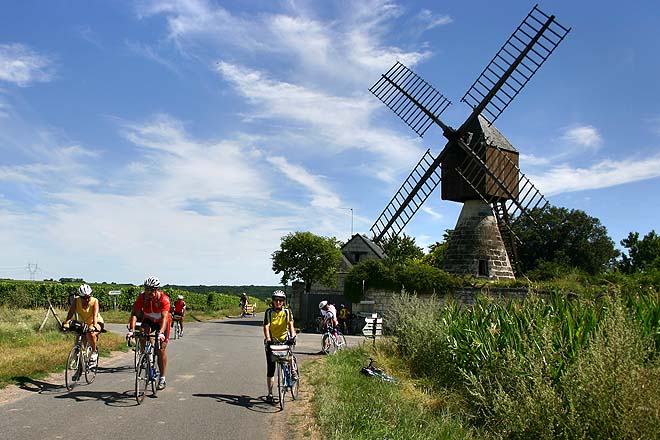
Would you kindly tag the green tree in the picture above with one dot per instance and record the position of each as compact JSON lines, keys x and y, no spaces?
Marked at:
{"x":368,"y":274}
{"x":401,"y":249}
{"x":565,"y":238}
{"x":309,"y":258}
{"x":643,"y":254}
{"x":436,"y":255}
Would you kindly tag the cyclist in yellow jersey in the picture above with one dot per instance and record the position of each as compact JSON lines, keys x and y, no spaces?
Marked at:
{"x":278,"y":329}
{"x":86,"y":309}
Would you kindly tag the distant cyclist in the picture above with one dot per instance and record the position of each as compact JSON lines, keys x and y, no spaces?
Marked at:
{"x":86,"y":309}
{"x":179,"y":312}
{"x":155,"y":306}
{"x":278,"y":329}
{"x":329,"y":314}
{"x":244,"y":303}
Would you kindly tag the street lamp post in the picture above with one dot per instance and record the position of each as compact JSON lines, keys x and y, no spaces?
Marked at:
{"x":351,"y":219}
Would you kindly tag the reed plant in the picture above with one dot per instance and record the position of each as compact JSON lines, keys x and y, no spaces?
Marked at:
{"x":528,"y":369}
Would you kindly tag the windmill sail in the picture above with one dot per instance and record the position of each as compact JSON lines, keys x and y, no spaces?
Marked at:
{"x":414,"y":100}
{"x":421,"y":182}
{"x":514,"y":64}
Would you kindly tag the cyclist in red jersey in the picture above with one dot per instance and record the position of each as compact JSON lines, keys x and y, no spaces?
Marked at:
{"x":155,"y":306}
{"x":179,"y":312}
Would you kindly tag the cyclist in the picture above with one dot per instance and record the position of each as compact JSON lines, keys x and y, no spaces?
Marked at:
{"x":329,"y":314}
{"x":278,"y":329}
{"x":244,"y":303}
{"x":155,"y":306}
{"x":86,"y":309}
{"x":344,"y":314}
{"x":179,"y":312}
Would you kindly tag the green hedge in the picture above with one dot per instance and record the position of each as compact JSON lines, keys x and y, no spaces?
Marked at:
{"x":36,"y":294}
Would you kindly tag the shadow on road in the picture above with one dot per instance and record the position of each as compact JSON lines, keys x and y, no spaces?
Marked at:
{"x":243,"y":321}
{"x":102,"y":370}
{"x":111,"y":398}
{"x":37,"y":386}
{"x":257,"y":404}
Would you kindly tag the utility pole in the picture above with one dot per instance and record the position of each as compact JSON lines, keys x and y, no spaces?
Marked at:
{"x":32,"y":268}
{"x":351,"y":219}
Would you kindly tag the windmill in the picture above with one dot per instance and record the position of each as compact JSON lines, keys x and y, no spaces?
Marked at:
{"x":478,"y":166}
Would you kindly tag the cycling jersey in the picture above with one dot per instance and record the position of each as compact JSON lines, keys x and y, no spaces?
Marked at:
{"x":179,"y":307}
{"x":86,"y":314}
{"x":330,"y":313}
{"x":279,"y":323}
{"x":153,"y":309}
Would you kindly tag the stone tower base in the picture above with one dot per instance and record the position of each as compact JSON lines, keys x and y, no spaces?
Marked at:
{"x":476,"y":247}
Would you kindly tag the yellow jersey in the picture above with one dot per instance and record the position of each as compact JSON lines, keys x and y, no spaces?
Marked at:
{"x":86,"y":314}
{"x":279,"y":323}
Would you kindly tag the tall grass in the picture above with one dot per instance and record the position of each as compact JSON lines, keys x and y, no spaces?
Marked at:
{"x":530,"y":369}
{"x":29,"y":354}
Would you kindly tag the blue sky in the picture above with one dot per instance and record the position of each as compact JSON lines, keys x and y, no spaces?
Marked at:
{"x":184,"y":138}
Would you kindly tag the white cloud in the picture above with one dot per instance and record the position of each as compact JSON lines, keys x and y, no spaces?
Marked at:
{"x":430,"y":20}
{"x":321,"y":196}
{"x":335,"y":123}
{"x":607,"y":173}
{"x":585,"y":135}
{"x":22,"y":66}
{"x":435,"y":215}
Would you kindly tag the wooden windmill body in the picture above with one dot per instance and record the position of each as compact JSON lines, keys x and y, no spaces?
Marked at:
{"x":478,"y":166}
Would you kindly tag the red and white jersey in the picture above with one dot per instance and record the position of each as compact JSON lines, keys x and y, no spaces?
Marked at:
{"x":179,"y":307}
{"x":153,"y":309}
{"x":331,"y":313}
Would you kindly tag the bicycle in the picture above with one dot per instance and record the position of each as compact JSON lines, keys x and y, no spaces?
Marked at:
{"x":288,"y":374}
{"x":372,"y":371}
{"x":147,"y":372}
{"x":138,"y":349}
{"x":332,"y":342}
{"x":78,"y":361}
{"x":177,"y":331}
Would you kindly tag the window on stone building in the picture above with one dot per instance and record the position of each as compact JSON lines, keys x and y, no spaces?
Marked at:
{"x":483,"y":267}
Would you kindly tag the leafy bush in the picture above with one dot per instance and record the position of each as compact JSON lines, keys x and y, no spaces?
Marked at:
{"x":532,"y":369}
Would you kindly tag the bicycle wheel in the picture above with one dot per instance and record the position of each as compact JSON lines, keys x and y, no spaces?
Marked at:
{"x":72,"y":371}
{"x":341,"y":341}
{"x":141,"y":378}
{"x":156,"y":374}
{"x":176,"y":330}
{"x":139,"y":348}
{"x":90,"y":370}
{"x":281,"y":384}
{"x":295,"y":384}
{"x":326,"y":343}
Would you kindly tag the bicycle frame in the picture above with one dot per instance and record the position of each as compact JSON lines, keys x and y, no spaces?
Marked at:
{"x":78,"y":360}
{"x":286,"y":365}
{"x":147,"y":371}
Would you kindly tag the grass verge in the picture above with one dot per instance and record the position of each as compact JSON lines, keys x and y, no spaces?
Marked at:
{"x":28,"y":354}
{"x":351,"y":405}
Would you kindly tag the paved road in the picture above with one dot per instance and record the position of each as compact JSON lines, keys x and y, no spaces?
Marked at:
{"x":215,"y":389}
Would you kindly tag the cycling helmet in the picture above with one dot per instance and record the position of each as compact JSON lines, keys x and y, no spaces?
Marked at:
{"x":278,"y":294}
{"x":323,"y":304}
{"x":243,"y":294}
{"x":179,"y":297}
{"x":84,"y":290}
{"x":152,"y":282}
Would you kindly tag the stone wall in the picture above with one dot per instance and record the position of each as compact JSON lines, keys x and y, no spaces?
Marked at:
{"x":383,"y":300}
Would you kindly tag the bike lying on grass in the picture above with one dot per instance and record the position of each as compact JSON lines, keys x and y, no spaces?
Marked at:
{"x":372,"y":371}
{"x":78,"y":362}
